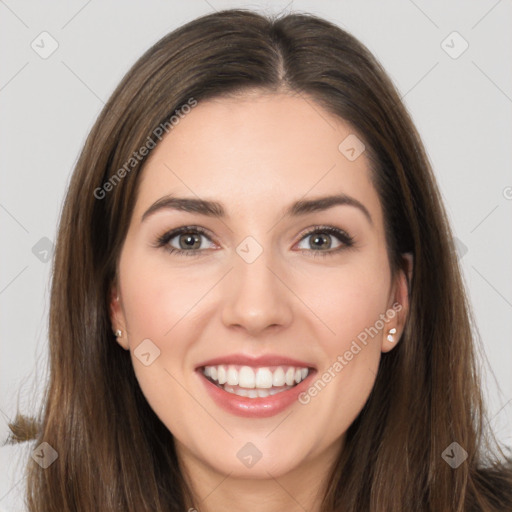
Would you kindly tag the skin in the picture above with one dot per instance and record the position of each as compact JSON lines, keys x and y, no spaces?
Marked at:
{"x":256,"y":154}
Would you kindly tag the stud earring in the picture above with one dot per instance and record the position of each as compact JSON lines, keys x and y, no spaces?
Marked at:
{"x":118,"y":333}
{"x":391,"y":332}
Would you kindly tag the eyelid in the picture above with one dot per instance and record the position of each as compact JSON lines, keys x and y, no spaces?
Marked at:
{"x":345,"y":239}
{"x":164,"y":238}
{"x":324,"y":228}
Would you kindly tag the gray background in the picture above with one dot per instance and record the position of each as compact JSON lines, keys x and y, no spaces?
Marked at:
{"x":461,"y":107}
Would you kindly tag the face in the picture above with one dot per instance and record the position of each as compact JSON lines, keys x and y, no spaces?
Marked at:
{"x":272,"y":293}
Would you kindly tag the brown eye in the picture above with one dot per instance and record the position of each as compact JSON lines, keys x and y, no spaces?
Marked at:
{"x":189,"y":241}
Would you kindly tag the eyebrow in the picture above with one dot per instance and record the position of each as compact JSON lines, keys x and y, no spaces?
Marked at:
{"x":215,"y":209}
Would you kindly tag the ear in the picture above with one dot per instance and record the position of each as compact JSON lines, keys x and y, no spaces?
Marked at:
{"x":117,"y":318}
{"x":398,"y":309}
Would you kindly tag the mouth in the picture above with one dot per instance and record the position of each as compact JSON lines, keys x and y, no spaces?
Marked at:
{"x":255,"y":382}
{"x":255,"y":387}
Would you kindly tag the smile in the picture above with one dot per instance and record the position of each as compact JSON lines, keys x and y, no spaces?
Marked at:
{"x":255,"y":391}
{"x":250,"y":382}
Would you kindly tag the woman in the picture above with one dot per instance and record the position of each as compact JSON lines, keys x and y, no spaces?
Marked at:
{"x":255,"y":302}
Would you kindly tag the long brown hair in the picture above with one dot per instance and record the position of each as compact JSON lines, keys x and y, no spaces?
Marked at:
{"x":113,"y":452}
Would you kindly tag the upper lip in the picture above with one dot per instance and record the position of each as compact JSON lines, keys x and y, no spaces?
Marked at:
{"x":264,"y":360}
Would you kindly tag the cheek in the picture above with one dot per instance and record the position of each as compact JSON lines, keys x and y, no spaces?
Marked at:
{"x":349,"y":302}
{"x":156,"y":299}
{"x":157,"y":305}
{"x":161,"y":303}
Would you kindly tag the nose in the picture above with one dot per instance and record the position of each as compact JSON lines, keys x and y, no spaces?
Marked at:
{"x":257,"y":298}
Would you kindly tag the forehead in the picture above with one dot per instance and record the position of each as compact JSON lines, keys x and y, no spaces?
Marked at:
{"x":257,"y":149}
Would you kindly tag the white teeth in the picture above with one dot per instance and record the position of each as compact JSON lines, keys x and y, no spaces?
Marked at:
{"x":232,"y":376}
{"x":278,"y":378}
{"x":237,"y":391}
{"x":246,"y":378}
{"x":221,"y":375}
{"x":254,"y":393}
{"x":263,"y":379}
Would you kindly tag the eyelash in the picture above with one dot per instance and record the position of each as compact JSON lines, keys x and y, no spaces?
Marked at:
{"x":165,"y":238}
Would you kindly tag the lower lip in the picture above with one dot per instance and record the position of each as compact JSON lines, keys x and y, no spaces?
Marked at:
{"x":262,"y":407}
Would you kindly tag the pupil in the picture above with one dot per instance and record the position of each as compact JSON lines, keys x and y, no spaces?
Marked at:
{"x":322,"y":239}
{"x":187,"y":241}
